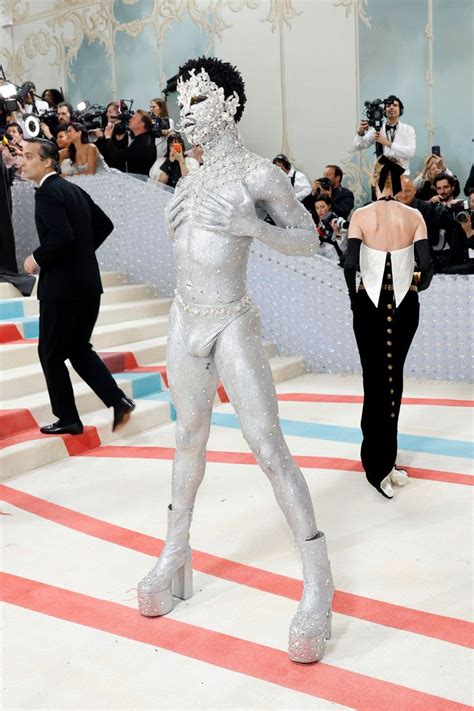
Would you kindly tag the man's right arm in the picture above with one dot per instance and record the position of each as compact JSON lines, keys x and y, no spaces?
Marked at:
{"x":365,"y":141}
{"x":59,"y":234}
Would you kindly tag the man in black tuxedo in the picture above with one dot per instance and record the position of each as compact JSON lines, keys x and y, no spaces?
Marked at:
{"x":70,"y":228}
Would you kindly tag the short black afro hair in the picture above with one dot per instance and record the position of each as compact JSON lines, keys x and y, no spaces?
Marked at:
{"x":221,"y":73}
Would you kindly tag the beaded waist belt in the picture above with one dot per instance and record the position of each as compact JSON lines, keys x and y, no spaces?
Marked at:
{"x":389,"y":287}
{"x":232,"y":309}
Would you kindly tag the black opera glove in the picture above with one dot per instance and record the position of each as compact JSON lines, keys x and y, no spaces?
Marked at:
{"x":425,"y":264}
{"x":351,"y":265}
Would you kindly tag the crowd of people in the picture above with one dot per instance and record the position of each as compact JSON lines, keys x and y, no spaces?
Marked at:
{"x":132,"y":146}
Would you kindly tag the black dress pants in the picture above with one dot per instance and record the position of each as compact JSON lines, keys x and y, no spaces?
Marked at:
{"x":64,"y":333}
{"x":384,"y":335}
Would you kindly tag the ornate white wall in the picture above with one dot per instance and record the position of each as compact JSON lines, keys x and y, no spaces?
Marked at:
{"x":308,"y":64}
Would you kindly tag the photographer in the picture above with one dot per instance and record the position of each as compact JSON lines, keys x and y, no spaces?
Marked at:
{"x":332,"y":230}
{"x":31,"y":104}
{"x":140,"y":155}
{"x":119,"y":136}
{"x":12,"y":151}
{"x":8,"y":264}
{"x":299,"y":181}
{"x":451,"y":251}
{"x":397,"y":140}
{"x":159,"y":114}
{"x":330,"y":184}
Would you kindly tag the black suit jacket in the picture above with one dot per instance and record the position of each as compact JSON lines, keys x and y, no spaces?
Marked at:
{"x":70,"y":228}
{"x":138,"y":157}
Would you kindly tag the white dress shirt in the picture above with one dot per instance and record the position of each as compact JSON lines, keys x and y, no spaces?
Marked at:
{"x":41,"y":107}
{"x":403,"y":145}
{"x":300,"y":183}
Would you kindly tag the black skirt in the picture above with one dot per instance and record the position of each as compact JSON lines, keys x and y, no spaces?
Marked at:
{"x":384,"y":335}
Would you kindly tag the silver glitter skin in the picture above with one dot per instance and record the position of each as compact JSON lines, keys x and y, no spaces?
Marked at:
{"x":172,"y":574}
{"x":214,"y":329}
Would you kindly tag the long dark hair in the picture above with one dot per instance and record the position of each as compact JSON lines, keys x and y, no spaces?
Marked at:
{"x":84,"y":139}
{"x":173,"y":138}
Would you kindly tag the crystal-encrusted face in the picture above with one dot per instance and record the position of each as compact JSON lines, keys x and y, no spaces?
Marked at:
{"x":204,"y":110}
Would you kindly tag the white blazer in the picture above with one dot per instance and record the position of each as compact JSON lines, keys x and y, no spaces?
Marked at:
{"x":402,"y":149}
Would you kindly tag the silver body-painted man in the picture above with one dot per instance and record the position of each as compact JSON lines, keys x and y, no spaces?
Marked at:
{"x":214,"y":334}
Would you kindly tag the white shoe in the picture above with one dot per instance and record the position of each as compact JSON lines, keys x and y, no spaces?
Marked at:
{"x":399,"y":477}
{"x":385,"y":488}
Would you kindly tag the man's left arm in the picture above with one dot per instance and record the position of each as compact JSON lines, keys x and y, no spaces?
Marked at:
{"x":343,"y":204}
{"x":102,"y":225}
{"x":403,"y":147}
{"x":59,"y":234}
{"x":270,"y":187}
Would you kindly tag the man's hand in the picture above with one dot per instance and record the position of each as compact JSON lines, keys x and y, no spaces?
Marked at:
{"x":467,"y":227}
{"x":217,"y":213}
{"x":46,"y":131}
{"x":176,"y":212}
{"x":30,"y":265}
{"x":363,"y":127}
{"x":109,"y":130}
{"x":382,"y":139}
{"x":435,"y":200}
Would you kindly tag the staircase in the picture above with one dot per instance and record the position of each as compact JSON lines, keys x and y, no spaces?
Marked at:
{"x":130,"y":336}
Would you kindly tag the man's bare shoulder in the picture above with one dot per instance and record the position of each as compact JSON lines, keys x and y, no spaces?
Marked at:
{"x":264,"y":179}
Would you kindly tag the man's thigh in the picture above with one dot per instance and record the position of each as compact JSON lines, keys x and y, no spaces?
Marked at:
{"x":244,"y":368}
{"x":192,"y":381}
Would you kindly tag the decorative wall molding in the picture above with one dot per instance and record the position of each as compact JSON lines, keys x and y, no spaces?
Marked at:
{"x":359,"y":9}
{"x":429,"y":73}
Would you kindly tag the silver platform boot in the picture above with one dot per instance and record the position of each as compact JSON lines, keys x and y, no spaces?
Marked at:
{"x":173,"y":572}
{"x":311,"y":626}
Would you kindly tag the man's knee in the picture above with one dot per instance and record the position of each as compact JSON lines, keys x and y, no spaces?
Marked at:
{"x":267,"y":443}
{"x":192,"y":434}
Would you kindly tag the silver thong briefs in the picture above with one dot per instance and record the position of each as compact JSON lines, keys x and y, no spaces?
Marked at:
{"x":202,"y":324}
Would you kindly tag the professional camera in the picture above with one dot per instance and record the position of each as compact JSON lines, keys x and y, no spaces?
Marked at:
{"x":159,"y":125}
{"x":463,"y":213}
{"x":325,"y":223}
{"x":325,"y":183}
{"x":375,"y":113}
{"x":341,"y":223}
{"x":125,"y":114}
{"x":94,"y":116}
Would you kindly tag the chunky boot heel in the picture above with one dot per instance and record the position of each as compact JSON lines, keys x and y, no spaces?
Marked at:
{"x":173,"y":573}
{"x":182,"y":585}
{"x":311,"y":626}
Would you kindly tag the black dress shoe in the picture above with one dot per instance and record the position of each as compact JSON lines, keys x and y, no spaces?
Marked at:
{"x":58,"y":428}
{"x":122,"y":411}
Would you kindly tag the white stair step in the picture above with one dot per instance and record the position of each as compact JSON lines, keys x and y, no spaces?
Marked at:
{"x":126,"y":293}
{"x":40,"y":407}
{"x":8,"y":291}
{"x":133,"y":311}
{"x":113,"y":278}
{"x":147,"y":352}
{"x":110,"y":337}
{"x":287,"y":367}
{"x":23,"y":457}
